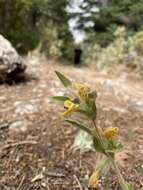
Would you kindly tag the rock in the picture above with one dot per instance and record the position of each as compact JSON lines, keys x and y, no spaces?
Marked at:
{"x":11,"y":63}
{"x":120,"y":110}
{"x":138,"y":105}
{"x":24,"y":107}
{"x":19,"y":126}
{"x":108,"y":86}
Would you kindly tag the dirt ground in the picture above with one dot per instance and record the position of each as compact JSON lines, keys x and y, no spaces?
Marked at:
{"x":36,"y":147}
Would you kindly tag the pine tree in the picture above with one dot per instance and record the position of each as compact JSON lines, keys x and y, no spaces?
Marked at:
{"x":107,"y":15}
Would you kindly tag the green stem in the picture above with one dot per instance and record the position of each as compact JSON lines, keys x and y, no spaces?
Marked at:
{"x":97,"y":130}
{"x":99,"y":137}
{"x":122,"y":182}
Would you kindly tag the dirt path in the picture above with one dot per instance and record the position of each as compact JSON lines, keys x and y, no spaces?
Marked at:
{"x":35,"y":147}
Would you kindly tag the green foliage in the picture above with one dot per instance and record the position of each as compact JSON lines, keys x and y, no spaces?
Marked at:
{"x":109,"y":16}
{"x":125,"y":50}
{"x":130,"y":186}
{"x":17,"y":24}
{"x":103,"y":165}
{"x":79,"y":125}
{"x":60,"y":98}
{"x":50,"y":44}
{"x":30,"y":24}
{"x":56,"y":39}
{"x":113,"y":54}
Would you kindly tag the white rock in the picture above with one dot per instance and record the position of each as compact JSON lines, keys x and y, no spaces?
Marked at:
{"x":9,"y":56}
{"x":108,"y":86}
{"x":138,"y":106}
{"x":24,"y":107}
{"x":19,"y":126}
{"x":118,"y":109}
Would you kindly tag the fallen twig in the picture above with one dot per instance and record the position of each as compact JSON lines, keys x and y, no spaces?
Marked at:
{"x":17,"y":144}
{"x":37,"y":178}
{"x":55,"y":174}
{"x":78,"y":182}
{"x":21,"y":182}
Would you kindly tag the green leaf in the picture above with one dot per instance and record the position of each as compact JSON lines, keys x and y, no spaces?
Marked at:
{"x":114,"y":147}
{"x":93,"y":95}
{"x":88,"y":108}
{"x":91,"y":108}
{"x":79,"y":125}
{"x":100,"y":143}
{"x":60,"y":98}
{"x":83,"y":141}
{"x":119,"y":147}
{"x":84,"y":112}
{"x":103,"y":165}
{"x":65,"y":81}
{"x":130,"y":186}
{"x":97,"y":143}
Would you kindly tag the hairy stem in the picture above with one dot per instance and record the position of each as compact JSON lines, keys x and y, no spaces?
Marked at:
{"x":99,"y":136}
{"x":122,"y":182}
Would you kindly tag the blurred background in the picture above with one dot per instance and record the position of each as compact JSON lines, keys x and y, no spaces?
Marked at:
{"x":95,"y":42}
{"x":109,"y":32}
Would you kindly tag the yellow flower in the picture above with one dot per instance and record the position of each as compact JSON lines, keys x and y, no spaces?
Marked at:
{"x":93,"y":180}
{"x":71,"y":107}
{"x":83,"y":91}
{"x":111,"y":132}
{"x":76,"y":86}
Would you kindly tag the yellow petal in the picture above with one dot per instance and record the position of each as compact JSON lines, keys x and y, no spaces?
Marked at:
{"x":93,"y":180}
{"x":67,"y":112}
{"x":84,"y":92}
{"x":68,"y":103}
{"x":71,"y":108}
{"x":111,"y":132}
{"x":76,"y":86}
